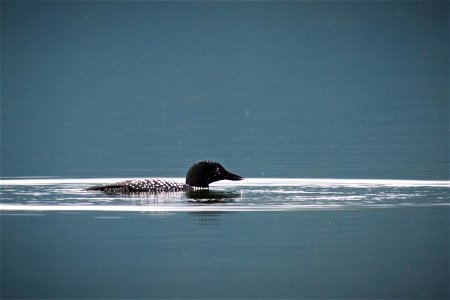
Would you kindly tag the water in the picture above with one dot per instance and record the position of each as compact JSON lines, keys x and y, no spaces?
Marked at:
{"x":258,"y":238}
{"x":275,"y":91}
{"x":294,"y":89}
{"x":254,"y":194}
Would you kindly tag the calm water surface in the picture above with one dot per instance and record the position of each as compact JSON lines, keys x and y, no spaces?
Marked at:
{"x":259,"y":238}
{"x":318,"y":89}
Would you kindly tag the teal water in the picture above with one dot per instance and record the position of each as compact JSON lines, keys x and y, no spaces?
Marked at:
{"x":285,"y":94}
{"x":260,"y":238}
{"x":294,"y":89}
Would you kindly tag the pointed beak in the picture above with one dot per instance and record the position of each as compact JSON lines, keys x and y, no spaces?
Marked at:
{"x":231,"y":176}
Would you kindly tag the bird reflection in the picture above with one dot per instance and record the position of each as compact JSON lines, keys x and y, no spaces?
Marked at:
{"x":210,"y":197}
{"x":206,"y":218}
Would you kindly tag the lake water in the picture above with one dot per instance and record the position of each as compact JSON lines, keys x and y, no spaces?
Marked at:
{"x":275,"y":91}
{"x":258,"y":238}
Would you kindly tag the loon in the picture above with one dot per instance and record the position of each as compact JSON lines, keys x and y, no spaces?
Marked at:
{"x":199,"y":176}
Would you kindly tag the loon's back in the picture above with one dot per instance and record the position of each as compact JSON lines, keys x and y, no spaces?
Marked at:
{"x":199,"y":176}
{"x":144,"y":185}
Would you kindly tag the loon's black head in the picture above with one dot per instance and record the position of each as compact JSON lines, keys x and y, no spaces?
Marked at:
{"x":202,"y":173}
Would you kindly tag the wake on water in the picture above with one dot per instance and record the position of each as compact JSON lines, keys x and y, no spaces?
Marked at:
{"x":253,"y":194}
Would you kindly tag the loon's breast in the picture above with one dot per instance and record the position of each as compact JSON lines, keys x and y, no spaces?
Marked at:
{"x":143,"y":185}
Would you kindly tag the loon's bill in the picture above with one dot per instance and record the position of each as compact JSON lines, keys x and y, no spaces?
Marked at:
{"x":199,"y":176}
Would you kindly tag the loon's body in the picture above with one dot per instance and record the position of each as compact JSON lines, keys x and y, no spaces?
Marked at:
{"x":142,"y":185}
{"x":199,"y":176}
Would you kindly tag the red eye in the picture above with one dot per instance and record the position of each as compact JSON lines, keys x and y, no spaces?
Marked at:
{"x":217,"y":170}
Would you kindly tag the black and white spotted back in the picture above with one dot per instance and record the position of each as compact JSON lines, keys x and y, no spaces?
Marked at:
{"x":142,"y":185}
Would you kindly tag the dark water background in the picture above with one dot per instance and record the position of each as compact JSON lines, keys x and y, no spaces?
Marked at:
{"x":394,"y":253}
{"x":272,"y":90}
{"x":259,"y":238}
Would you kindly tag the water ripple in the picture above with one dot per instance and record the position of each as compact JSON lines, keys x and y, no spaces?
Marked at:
{"x":252,"y":194}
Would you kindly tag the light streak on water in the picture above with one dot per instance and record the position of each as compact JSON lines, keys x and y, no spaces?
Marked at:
{"x":253,"y":194}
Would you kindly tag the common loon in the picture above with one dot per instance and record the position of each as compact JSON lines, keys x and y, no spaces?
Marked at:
{"x":199,"y":176}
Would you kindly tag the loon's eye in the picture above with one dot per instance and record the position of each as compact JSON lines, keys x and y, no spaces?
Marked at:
{"x":217,"y":170}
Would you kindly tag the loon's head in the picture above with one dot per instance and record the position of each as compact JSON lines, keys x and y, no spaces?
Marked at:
{"x":202,"y":173}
